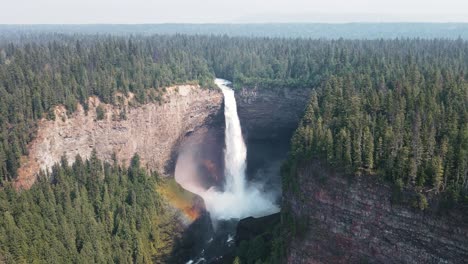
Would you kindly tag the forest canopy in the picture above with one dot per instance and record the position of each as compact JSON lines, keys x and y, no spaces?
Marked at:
{"x":89,"y":212}
{"x":278,"y":30}
{"x":394,"y":107}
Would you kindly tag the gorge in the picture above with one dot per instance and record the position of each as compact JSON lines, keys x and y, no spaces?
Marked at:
{"x":268,"y":118}
{"x":126,"y":149}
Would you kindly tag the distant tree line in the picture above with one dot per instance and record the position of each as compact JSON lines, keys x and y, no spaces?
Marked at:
{"x":278,"y":30}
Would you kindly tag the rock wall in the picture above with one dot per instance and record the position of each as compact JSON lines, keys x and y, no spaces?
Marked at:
{"x":354,"y":221}
{"x":268,"y":118}
{"x":153,"y":130}
{"x":270,"y":113}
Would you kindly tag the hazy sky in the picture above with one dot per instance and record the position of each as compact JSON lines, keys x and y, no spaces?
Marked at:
{"x":223,"y":11}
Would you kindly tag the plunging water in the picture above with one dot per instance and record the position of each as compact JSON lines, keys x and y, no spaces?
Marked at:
{"x":235,"y":152}
{"x":231,"y":200}
{"x":237,"y":200}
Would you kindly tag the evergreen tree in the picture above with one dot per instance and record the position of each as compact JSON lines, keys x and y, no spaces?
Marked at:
{"x":368,"y":148}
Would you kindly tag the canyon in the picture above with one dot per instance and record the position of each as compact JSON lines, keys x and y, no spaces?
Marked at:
{"x":155,"y":130}
{"x":348,"y":221}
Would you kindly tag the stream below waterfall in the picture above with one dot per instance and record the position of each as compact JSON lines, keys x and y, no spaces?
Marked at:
{"x":228,"y":202}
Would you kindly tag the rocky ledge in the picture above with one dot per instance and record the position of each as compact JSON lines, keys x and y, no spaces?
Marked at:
{"x":152,"y":130}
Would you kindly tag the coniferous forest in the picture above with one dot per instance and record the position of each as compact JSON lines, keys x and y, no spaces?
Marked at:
{"x":88,"y":212}
{"x":405,"y":123}
{"x":394,"y":109}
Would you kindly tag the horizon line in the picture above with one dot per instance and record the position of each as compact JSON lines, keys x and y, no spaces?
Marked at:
{"x":234,"y":23}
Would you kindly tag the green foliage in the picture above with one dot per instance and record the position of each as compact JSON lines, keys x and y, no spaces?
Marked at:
{"x":236,"y":261}
{"x":90,"y":213}
{"x":405,"y":123}
{"x":420,"y":202}
{"x":51,"y":114}
{"x":100,"y":112}
{"x":396,"y":108}
{"x":262,"y":30}
{"x":40,"y":71}
{"x":402,"y":119}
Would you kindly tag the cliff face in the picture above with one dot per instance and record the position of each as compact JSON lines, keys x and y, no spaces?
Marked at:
{"x":353,"y":221}
{"x":269,"y":118}
{"x":152,"y":130}
{"x":270,"y":113}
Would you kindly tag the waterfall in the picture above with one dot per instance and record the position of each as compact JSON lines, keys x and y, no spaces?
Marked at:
{"x":237,"y":200}
{"x":235,"y":153}
{"x":236,"y":197}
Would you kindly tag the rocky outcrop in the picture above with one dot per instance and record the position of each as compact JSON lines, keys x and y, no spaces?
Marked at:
{"x":152,"y":130}
{"x":270,"y":113}
{"x":352,"y":220}
{"x":251,"y":227}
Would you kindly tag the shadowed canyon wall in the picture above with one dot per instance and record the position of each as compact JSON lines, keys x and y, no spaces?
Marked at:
{"x":152,"y":130}
{"x":268,"y":118}
{"x":352,"y":220}
{"x":271,"y":113}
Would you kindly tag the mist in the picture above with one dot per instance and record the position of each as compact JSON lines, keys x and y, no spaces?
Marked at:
{"x":241,"y":11}
{"x":233,"y":197}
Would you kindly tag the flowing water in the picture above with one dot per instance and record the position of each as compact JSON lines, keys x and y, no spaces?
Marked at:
{"x":236,"y":198}
{"x":235,"y":152}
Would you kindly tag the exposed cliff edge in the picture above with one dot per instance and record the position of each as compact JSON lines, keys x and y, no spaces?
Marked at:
{"x":152,"y":130}
{"x":270,"y":113}
{"x":354,"y":221}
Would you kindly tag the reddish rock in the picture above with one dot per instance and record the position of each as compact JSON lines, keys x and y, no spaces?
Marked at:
{"x":352,"y":220}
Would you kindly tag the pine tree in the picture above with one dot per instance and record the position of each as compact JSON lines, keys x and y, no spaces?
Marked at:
{"x":347,"y":152}
{"x":329,"y":146}
{"x":357,"y":153}
{"x":437,"y":173}
{"x":368,"y":148}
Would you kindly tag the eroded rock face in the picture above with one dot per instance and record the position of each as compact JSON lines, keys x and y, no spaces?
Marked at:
{"x":270,"y":113}
{"x":354,"y":221}
{"x":152,"y":130}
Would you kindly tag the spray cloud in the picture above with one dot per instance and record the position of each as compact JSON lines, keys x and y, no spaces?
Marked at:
{"x":237,"y":199}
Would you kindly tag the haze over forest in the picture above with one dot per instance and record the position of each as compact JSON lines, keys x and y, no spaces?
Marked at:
{"x":234,"y":132}
{"x":241,"y":11}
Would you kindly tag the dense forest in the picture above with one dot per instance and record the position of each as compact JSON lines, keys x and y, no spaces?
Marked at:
{"x":37,"y":74}
{"x":396,"y":108}
{"x":404,"y":120}
{"x":90,"y":213}
{"x":393,"y":109}
{"x":278,"y":30}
